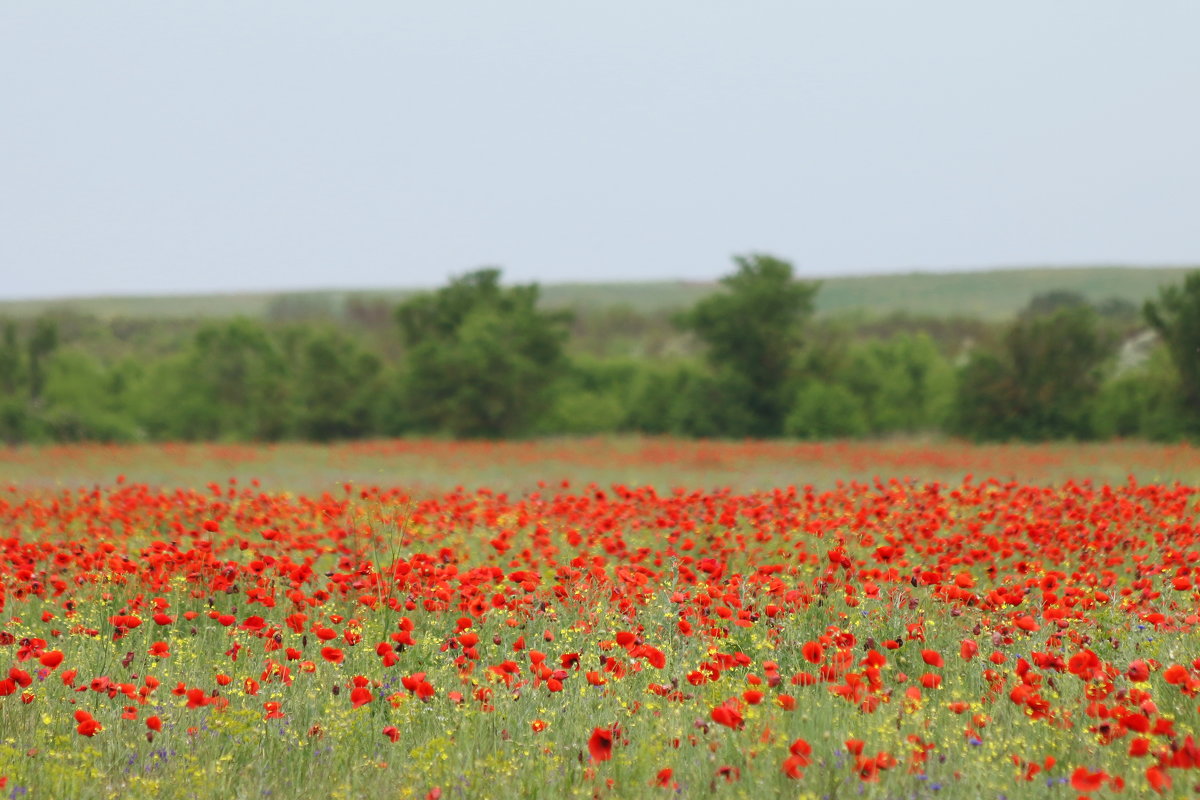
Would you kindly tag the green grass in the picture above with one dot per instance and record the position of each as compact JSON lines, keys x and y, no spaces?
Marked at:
{"x":987,"y":294}
{"x":430,"y":465}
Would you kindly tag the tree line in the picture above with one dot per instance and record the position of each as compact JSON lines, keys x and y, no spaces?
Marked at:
{"x":477,"y":358}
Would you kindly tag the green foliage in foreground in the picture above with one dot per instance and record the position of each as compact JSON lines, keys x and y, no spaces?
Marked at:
{"x":323,"y":748}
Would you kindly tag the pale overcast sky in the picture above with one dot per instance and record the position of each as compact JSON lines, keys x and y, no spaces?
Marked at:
{"x":209,"y":146}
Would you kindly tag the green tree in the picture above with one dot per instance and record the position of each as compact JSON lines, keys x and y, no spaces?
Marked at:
{"x":336,"y":387}
{"x":481,"y":358}
{"x":593,"y":396}
{"x":901,"y":384}
{"x":1041,"y":383}
{"x":41,"y":344}
{"x":753,"y":331}
{"x":231,"y":383}
{"x":1142,"y":402}
{"x":17,"y":423}
{"x":10,"y":361}
{"x":1175,"y":316}
{"x":826,"y":411}
{"x":84,"y":401}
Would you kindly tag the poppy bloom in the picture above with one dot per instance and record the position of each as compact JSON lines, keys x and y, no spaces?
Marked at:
{"x":51,"y":658}
{"x":729,"y":715}
{"x":800,"y":750}
{"x":154,"y":723}
{"x":1158,"y":779}
{"x":601,"y":744}
{"x":1175,"y":674}
{"x":87,"y":726}
{"x":791,"y":767}
{"x":392,"y":732}
{"x":1138,"y":671}
{"x":1084,"y":781}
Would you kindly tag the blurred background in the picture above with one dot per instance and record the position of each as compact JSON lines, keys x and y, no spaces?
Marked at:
{"x":273,"y":221}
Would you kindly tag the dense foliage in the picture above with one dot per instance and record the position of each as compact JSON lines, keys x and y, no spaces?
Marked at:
{"x":479,"y":359}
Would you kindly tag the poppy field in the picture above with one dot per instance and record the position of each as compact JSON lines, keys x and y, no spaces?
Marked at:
{"x":447,"y":633}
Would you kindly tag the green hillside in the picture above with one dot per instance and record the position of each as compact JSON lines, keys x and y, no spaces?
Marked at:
{"x":987,"y":294}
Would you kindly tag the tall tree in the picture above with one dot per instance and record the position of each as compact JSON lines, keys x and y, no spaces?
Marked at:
{"x":231,"y":383}
{"x":1175,"y":316}
{"x":10,"y":360}
{"x":335,"y":386}
{"x":753,"y":331}
{"x":41,"y":344}
{"x":481,"y":358}
{"x":1041,"y":383}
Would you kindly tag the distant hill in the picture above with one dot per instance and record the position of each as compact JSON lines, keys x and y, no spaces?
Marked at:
{"x":987,"y":294}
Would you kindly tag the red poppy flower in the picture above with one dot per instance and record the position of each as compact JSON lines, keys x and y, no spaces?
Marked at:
{"x":1084,"y":781}
{"x":792,"y":765}
{"x":1158,"y":779}
{"x":51,"y":658}
{"x":729,"y":715}
{"x":1175,"y":674}
{"x":601,"y":744}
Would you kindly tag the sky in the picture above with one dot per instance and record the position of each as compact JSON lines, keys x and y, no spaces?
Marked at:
{"x":151,"y":147}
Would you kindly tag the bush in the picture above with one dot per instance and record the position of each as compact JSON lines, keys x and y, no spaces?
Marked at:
{"x":826,"y":411}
